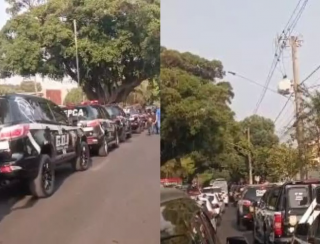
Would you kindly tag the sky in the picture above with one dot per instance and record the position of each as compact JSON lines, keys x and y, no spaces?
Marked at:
{"x":241,"y":34}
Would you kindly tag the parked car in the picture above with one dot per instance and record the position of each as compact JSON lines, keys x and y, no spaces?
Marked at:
{"x":136,"y":120}
{"x":35,"y":137}
{"x":218,"y":193}
{"x":182,"y":220}
{"x":119,"y":117}
{"x":245,"y":205}
{"x":275,"y":212}
{"x":223,"y":184}
{"x":101,"y":132}
{"x":212,"y":210}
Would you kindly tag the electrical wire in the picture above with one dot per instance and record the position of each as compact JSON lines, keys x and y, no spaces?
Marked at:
{"x":286,"y":32}
{"x":302,"y":82}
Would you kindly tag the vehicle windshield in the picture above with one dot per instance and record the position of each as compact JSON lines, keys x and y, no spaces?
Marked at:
{"x":254,"y":193}
{"x":298,"y":197}
{"x":113,"y":111}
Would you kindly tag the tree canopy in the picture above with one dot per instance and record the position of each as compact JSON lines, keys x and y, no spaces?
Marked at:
{"x":199,"y":134}
{"x":74,"y":96}
{"x":118,"y":43}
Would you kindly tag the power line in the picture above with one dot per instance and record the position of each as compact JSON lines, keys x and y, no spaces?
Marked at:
{"x":304,"y":80}
{"x":288,"y":28}
{"x":252,"y":81}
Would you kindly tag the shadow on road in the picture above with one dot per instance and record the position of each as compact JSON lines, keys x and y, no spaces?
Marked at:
{"x":16,"y":196}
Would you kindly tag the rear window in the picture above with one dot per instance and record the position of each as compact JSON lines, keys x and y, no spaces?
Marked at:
{"x":254,"y":193}
{"x":79,"y":112}
{"x":298,"y":197}
{"x":5,"y":115}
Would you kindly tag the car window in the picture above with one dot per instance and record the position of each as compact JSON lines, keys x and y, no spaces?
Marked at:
{"x":5,"y":113}
{"x":254,"y":193}
{"x":121,"y":112}
{"x":59,"y":114}
{"x":298,"y":197}
{"x":211,"y":232}
{"x":103,"y":112}
{"x":181,"y":222}
{"x":273,"y":199}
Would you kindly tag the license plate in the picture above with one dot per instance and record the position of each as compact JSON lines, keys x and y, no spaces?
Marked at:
{"x":259,"y":193}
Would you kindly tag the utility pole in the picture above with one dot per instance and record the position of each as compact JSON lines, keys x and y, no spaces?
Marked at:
{"x":295,"y":42}
{"x":77,"y":53}
{"x":249,"y":157}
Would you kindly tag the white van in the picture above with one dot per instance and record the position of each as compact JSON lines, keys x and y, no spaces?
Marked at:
{"x":223,"y":184}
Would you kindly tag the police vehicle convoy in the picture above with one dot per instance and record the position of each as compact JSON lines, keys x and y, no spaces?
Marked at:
{"x":100,"y":130}
{"x":35,"y":137}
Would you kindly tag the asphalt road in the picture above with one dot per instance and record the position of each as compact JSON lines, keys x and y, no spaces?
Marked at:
{"x":229,"y":228}
{"x":116,"y":201}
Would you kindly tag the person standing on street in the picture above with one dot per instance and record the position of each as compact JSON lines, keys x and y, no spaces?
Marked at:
{"x":151,"y":122}
{"x":158,"y":120}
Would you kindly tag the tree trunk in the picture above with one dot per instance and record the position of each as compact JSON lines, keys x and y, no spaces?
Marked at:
{"x":118,"y":95}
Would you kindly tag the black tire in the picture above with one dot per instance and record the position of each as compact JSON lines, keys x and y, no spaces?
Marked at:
{"x":83,"y":160}
{"x":103,"y":150}
{"x":46,"y":175}
{"x":117,"y":140}
{"x":219,"y":220}
{"x":123,"y":136}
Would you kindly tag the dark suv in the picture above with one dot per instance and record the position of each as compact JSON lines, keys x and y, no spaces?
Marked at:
{"x":245,"y":205}
{"x":280,"y":209}
{"x":35,"y":136}
{"x":97,"y":125}
{"x":120,"y":118}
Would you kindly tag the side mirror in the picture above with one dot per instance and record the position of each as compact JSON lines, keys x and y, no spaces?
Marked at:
{"x":237,"y":240}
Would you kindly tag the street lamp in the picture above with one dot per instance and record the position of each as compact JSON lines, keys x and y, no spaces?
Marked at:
{"x":256,"y":83}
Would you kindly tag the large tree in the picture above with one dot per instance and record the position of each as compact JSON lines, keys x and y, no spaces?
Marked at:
{"x":118,"y":43}
{"x":196,"y":116}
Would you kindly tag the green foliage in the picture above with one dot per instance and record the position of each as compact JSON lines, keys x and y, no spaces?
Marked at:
{"x":74,"y":96}
{"x":118,"y":43}
{"x":29,"y":86}
{"x":199,"y":135}
{"x":282,"y":162}
{"x":146,"y":93}
{"x":196,"y":118}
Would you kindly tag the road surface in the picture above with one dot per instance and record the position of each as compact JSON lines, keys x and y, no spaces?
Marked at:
{"x":229,"y":228}
{"x":116,"y":201}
